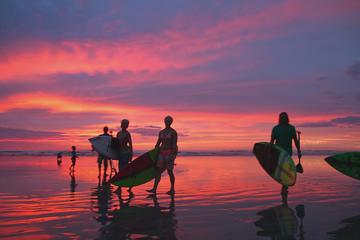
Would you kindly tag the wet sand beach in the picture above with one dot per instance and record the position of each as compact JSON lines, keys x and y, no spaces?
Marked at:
{"x":216,"y":198}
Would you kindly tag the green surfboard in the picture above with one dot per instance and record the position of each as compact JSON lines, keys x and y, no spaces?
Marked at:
{"x":347,"y":163}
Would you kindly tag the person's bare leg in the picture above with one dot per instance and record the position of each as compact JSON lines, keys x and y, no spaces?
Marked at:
{"x":156,"y":182}
{"x":105,"y":165}
{"x":172,"y":182}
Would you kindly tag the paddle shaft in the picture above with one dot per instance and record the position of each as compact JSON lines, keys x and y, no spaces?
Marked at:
{"x":298,"y":133}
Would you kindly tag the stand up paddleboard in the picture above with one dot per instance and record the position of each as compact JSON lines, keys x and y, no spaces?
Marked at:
{"x":276,"y":162}
{"x":346,"y":163}
{"x":138,"y":171}
{"x":102,"y":145}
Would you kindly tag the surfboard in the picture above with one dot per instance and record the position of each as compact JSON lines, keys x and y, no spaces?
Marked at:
{"x":347,"y":163}
{"x":138,"y":171}
{"x":102,"y":145}
{"x":276,"y":162}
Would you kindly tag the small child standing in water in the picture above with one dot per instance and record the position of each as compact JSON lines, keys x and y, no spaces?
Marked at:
{"x":74,"y":156}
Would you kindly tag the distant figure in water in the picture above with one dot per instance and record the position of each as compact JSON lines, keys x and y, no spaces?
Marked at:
{"x":59,"y":158}
{"x":74,"y":156}
{"x":167,"y":142}
{"x":283,"y":134}
{"x":102,"y":158}
{"x":125,"y":148}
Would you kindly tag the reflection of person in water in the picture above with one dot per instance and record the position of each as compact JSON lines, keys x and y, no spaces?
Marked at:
{"x":149,"y":222}
{"x":280,"y":222}
{"x":72,"y":183}
{"x":283,"y":134}
{"x":102,"y":194}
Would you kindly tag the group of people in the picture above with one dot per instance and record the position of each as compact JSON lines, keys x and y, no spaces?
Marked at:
{"x":283,"y":134}
{"x":168,"y":149}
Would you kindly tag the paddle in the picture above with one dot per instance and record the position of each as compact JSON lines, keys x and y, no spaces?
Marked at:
{"x":299,"y":167}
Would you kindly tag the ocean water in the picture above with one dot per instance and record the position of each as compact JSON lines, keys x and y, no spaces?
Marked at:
{"x":217,"y":197}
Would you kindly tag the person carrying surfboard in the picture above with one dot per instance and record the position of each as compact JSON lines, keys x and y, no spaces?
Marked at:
{"x":102,"y":158}
{"x":167,"y":142}
{"x":125,"y":145}
{"x":283,"y":134}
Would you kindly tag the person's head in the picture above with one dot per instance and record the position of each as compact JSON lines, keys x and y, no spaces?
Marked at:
{"x":105,"y":129}
{"x":73,"y":148}
{"x":124,"y":124}
{"x":284,"y":118}
{"x":168,"y":120}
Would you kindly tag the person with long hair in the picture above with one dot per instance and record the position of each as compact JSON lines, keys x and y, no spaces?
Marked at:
{"x":282,"y":135}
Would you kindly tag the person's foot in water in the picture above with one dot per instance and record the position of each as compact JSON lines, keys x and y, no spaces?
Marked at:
{"x":153,"y":191}
{"x":171,"y":192}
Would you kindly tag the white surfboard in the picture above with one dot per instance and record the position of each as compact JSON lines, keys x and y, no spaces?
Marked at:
{"x":102,"y":145}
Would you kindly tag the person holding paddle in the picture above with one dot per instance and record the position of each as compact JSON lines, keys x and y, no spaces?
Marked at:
{"x":282,"y":135}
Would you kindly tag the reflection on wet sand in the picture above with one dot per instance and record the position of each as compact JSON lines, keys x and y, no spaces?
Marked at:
{"x":280,"y":222}
{"x":349,"y":231}
{"x":147,"y":221}
{"x":142,"y":221}
{"x":101,"y":195}
{"x":72,"y":184}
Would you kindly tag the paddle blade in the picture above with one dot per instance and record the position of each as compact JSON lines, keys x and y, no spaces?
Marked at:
{"x":299,"y":168}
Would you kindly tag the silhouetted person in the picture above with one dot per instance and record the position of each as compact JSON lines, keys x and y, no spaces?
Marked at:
{"x":59,"y":158}
{"x":167,"y":142}
{"x":283,"y":134}
{"x":74,"y":156}
{"x":125,"y":148}
{"x":102,"y":158}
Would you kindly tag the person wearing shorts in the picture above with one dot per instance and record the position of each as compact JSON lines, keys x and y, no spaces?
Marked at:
{"x":101,"y":158}
{"x":167,"y":144}
{"x":125,"y":148}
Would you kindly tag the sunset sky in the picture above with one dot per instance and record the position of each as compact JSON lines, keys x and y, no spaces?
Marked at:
{"x":223,"y":69}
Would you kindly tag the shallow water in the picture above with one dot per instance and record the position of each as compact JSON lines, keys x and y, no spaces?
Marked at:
{"x":216,"y":198}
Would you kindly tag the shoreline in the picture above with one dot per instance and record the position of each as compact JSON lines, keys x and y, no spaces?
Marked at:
{"x":181,"y":153}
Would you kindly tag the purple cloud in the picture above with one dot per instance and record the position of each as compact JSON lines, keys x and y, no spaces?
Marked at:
{"x":350,"y":121}
{"x":10,"y":133}
{"x":354,"y":70}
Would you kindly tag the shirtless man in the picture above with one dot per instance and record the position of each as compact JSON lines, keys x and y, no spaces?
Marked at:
{"x":167,"y":142}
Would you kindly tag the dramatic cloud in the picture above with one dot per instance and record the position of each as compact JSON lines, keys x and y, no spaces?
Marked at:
{"x":10,"y":133}
{"x":222,"y":69}
{"x":350,"y":121}
{"x":354,"y":70}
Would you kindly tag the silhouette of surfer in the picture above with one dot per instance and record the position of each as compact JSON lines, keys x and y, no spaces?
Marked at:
{"x":101,"y":158}
{"x":125,"y":146}
{"x":74,"y":156}
{"x":59,"y":158}
{"x":167,"y":142}
{"x":283,"y":134}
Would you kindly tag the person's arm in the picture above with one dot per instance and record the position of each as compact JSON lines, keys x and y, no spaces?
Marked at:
{"x":272,"y":139}
{"x":297,"y":143}
{"x":158,"y":141}
{"x":175,"y":147}
{"x":130,"y":144}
